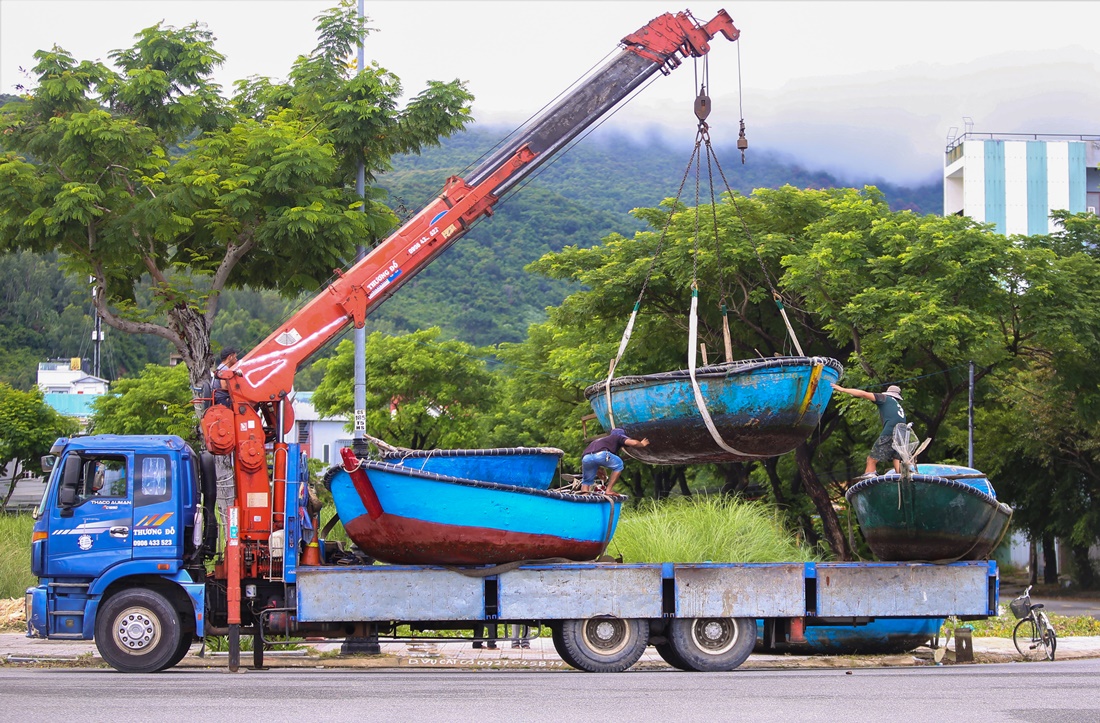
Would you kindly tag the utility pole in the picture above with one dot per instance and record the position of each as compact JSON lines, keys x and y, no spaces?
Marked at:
{"x":364,"y":640}
{"x":97,"y":333}
{"x":359,"y":392}
{"x":970,"y":421}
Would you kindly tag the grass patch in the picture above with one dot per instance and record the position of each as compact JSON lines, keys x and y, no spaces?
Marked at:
{"x":15,"y":555}
{"x":336,"y":534}
{"x":1003,"y":625}
{"x":705,"y":529}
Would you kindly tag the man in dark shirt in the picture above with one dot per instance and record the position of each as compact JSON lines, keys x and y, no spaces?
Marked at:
{"x":226,"y":360}
{"x":891,"y":414}
{"x":603,"y":452}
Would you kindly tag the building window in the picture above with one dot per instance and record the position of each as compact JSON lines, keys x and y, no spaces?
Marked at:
{"x":303,"y":432}
{"x":324,"y":454}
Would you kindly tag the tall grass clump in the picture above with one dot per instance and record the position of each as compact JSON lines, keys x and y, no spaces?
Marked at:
{"x":15,"y":555}
{"x":705,"y":529}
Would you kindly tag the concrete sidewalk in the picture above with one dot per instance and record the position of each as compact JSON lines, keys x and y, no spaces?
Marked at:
{"x":15,"y":649}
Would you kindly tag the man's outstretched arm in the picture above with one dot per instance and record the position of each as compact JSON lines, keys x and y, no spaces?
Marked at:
{"x":855,"y":392}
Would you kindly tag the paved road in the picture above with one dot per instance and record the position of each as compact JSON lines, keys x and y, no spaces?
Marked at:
{"x":28,"y":493}
{"x":1058,"y":691}
{"x":1059,"y":605}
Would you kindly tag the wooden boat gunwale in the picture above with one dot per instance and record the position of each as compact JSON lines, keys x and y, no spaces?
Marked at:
{"x":491,"y":452}
{"x":933,"y":478}
{"x":400,"y":470}
{"x":712,"y":371}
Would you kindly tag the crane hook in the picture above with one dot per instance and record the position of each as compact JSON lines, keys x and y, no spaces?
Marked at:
{"x":742,"y":142}
{"x":702,"y":105}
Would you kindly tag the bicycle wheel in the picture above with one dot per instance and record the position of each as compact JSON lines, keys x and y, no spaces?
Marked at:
{"x":1050,"y":638}
{"x":1028,"y":640}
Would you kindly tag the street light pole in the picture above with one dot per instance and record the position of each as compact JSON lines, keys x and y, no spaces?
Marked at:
{"x":970,"y":421}
{"x":359,"y":391}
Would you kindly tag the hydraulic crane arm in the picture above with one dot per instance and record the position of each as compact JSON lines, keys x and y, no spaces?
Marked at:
{"x":264,"y":378}
{"x":267,"y":372}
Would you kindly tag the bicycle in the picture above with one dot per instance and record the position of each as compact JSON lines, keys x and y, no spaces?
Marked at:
{"x":1033,"y":636}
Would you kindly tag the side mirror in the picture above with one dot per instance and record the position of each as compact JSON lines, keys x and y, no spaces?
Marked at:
{"x":48,"y":463}
{"x":70,"y":481}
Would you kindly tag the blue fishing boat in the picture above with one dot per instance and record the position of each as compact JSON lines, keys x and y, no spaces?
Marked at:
{"x":402,"y":515}
{"x":881,"y":636}
{"x":939,"y":513}
{"x":535,"y":467}
{"x":757,"y":408}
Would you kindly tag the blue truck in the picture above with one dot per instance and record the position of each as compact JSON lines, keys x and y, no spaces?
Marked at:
{"x":127,"y":551}
{"x":132,"y":548}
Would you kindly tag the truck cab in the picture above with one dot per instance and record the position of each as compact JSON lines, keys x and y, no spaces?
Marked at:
{"x":119,"y":514}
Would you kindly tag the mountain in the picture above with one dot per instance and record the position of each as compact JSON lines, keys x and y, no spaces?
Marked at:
{"x":478,"y":292}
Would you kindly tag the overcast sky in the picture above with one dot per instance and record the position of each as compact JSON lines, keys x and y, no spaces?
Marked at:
{"x":863,"y":89}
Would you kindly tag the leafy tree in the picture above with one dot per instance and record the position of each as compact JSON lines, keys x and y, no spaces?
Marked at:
{"x":896,"y":296}
{"x":156,"y":401}
{"x":148,"y":172}
{"x":28,"y":428}
{"x":1040,"y":425}
{"x":46,"y":313}
{"x":421,"y":392}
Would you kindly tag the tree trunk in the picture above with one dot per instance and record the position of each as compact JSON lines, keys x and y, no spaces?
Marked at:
{"x":193,"y":332}
{"x":1084,"y":572}
{"x":635,"y":484}
{"x":736,"y":479}
{"x":834,"y":533}
{"x":661,"y":483}
{"x":1050,"y":560}
{"x":681,"y":479}
{"x":16,"y":471}
{"x":770,"y":467}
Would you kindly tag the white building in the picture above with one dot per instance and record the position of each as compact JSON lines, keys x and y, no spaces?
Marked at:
{"x":321,"y":437}
{"x":67,"y":377}
{"x":1014,"y":181}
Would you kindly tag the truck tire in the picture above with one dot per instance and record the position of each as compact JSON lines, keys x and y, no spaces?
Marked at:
{"x":186,"y":640}
{"x":138,"y":631}
{"x":559,"y":644}
{"x":709,"y":645}
{"x":670,"y":656}
{"x":604,"y":644}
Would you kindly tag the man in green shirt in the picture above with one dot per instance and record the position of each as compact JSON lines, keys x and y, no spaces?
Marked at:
{"x":891,"y":414}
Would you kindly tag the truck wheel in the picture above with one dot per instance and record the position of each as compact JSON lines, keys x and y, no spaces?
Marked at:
{"x":605,"y":644}
{"x":670,"y":656}
{"x":181,"y":652}
{"x":559,"y":644}
{"x":138,"y":631}
{"x":711,"y":645}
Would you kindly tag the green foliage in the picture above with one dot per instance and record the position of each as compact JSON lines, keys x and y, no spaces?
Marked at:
{"x":15,"y":555}
{"x":157,"y":401}
{"x":46,"y":313}
{"x":1042,"y":426}
{"x":144,"y":171}
{"x":1003,"y":624}
{"x":421,"y":392}
{"x":705,"y":529}
{"x":28,"y":428}
{"x":898,"y":297}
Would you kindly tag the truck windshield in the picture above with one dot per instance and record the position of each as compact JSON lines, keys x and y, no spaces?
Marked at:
{"x":41,"y":508}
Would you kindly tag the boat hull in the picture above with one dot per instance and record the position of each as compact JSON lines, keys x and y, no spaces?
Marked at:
{"x":425,"y":518}
{"x":882,"y":636}
{"x":760,"y":408}
{"x":534,"y":467}
{"x":931,"y":517}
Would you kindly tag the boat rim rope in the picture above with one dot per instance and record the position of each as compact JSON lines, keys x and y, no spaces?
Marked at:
{"x":702,"y":109}
{"x":702,"y":137}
